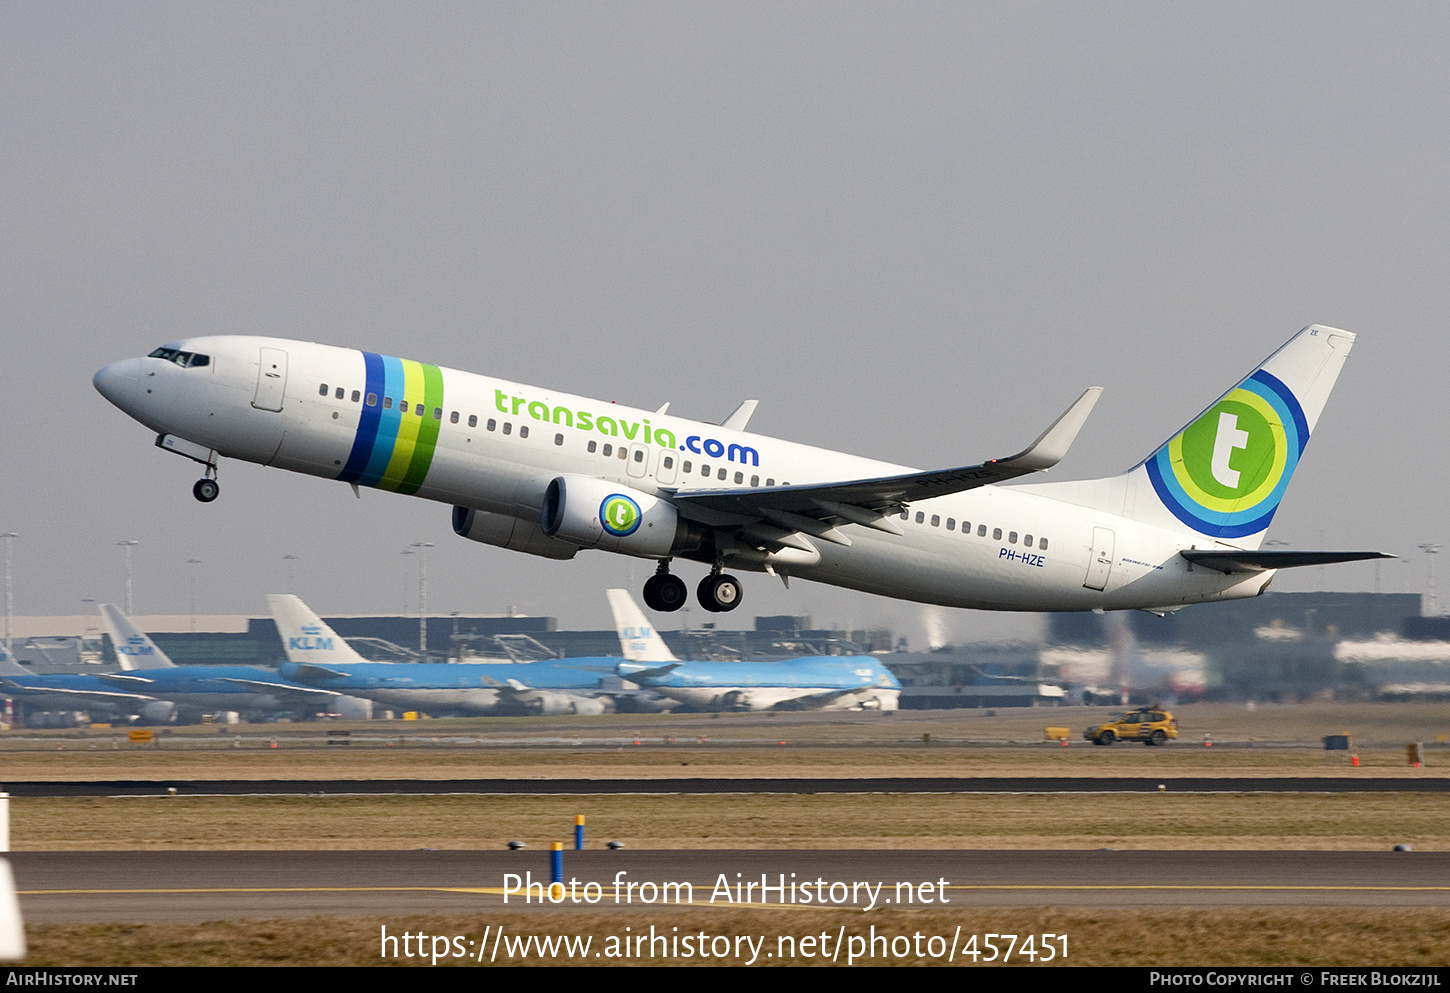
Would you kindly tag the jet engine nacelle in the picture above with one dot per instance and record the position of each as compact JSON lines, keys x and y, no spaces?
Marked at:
{"x":596,"y":513}
{"x":547,"y":704}
{"x":509,"y":532}
{"x":158,"y":712}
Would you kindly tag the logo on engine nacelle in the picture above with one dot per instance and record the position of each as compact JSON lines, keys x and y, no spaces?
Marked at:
{"x":620,"y":515}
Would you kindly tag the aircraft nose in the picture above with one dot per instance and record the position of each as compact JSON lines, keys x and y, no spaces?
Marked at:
{"x":117,"y":381}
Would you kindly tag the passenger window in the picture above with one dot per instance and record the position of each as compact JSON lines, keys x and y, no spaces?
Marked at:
{"x":966,"y":527}
{"x":340,"y":393}
{"x":981,"y":530}
{"x":669,"y":461}
{"x":355,"y":395}
{"x":387,"y":403}
{"x":1042,"y":544}
{"x":639,"y":455}
{"x":936,"y":520}
{"x":722,"y":474}
{"x":438,"y":414}
{"x":623,"y":453}
{"x":508,"y":428}
{"x":593,"y":446}
{"x":523,"y":430}
{"x":1027,"y":540}
{"x":920,"y":517}
{"x":608,"y":450}
{"x":705,"y":471}
{"x":492,"y":424}
{"x":453,"y":417}
{"x":473,"y":420}
{"x":996,"y":534}
{"x":558,"y":439}
{"x":322,"y":392}
{"x":372,"y":399}
{"x":951,"y":523}
{"x":687,"y":467}
{"x":754,"y":480}
{"x":739,"y":478}
{"x":1012,"y":537}
{"x":770,"y":482}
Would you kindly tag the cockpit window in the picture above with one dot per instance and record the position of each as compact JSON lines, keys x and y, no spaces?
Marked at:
{"x":187,"y":360}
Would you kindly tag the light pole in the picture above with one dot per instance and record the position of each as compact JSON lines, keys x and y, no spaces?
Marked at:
{"x":9,"y":537}
{"x":423,"y":547}
{"x":128,"y":545}
{"x":193,"y":563}
{"x":1430,"y":550}
{"x":291,"y":573}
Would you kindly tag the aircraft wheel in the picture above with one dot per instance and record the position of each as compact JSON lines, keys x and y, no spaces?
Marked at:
{"x":206,"y":490}
{"x":671,"y":593}
{"x":720,"y":593}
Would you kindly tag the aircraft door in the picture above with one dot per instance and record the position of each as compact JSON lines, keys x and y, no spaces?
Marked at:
{"x":1100,"y":562}
{"x":271,"y":379}
{"x":669,"y":465}
{"x":638,"y":463}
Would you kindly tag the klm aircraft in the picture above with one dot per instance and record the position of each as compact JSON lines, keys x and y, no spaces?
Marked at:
{"x":149,"y":673}
{"x":317,"y":656}
{"x":77,"y":691}
{"x":550,"y":474}
{"x":821,"y":682}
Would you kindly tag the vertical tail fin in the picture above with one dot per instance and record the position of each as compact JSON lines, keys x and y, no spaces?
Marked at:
{"x":640,"y":641}
{"x":134,"y":650}
{"x":1223,"y":475}
{"x":305,"y":638}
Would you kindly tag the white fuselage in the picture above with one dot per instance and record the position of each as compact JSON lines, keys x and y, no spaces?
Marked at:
{"x":499,"y":444}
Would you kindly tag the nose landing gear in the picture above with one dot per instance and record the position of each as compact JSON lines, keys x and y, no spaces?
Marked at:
{"x":206,"y":489}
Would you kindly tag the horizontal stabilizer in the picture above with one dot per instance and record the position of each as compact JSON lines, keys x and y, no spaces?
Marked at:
{"x":1245,"y":561}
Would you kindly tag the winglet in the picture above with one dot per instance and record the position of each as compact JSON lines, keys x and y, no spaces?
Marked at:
{"x":740,"y":416}
{"x":640,"y":641}
{"x":1052,"y":444}
{"x":134,"y":650}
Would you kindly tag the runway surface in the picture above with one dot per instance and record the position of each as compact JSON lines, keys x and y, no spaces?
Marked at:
{"x":573,"y":787}
{"x":203,"y":886}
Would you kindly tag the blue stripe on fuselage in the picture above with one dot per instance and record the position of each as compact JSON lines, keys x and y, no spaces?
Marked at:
{"x":367,"y":425}
{"x":382,"y":453}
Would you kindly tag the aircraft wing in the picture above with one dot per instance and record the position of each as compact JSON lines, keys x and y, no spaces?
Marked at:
{"x":815,"y":508}
{"x":101,"y":696}
{"x":303,"y":693}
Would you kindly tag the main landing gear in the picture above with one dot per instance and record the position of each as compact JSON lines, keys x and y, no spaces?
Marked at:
{"x":717,"y":592}
{"x":663,"y":591}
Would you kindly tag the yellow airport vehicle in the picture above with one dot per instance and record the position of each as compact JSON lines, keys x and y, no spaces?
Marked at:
{"x":1152,"y":726}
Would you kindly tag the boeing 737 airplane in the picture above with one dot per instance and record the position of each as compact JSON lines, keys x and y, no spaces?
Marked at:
{"x":549,"y":474}
{"x":819,"y":682}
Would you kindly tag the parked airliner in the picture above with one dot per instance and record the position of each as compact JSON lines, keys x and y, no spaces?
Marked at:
{"x":317,"y":656}
{"x":547,"y":473}
{"x":813,"y":682}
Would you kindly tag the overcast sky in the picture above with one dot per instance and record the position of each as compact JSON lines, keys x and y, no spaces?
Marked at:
{"x":913,"y":231}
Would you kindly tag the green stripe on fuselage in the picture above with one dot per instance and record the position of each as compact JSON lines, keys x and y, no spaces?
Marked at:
{"x":427,"y":441}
